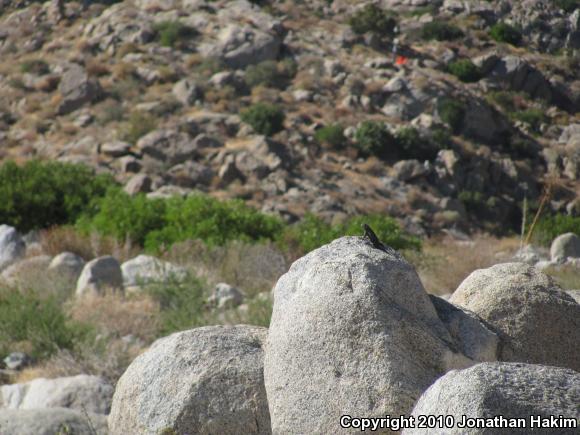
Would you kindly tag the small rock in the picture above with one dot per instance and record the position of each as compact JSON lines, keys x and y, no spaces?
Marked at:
{"x":145,"y":269}
{"x":226,"y":296}
{"x":187,"y":92}
{"x":138,"y":183}
{"x":12,"y":247}
{"x":116,"y":149}
{"x":68,"y":264}
{"x":98,"y":275}
{"x":17,"y":361}
{"x":564,"y":246}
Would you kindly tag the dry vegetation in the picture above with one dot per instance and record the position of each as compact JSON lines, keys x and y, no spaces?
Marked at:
{"x":444,"y":262}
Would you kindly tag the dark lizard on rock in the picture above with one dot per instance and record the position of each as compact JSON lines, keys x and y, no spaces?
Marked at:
{"x":377,"y":244}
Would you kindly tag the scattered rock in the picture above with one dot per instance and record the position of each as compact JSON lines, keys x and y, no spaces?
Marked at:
{"x":98,"y":275}
{"x":12,"y":246}
{"x":27,"y":271}
{"x":187,"y":92}
{"x":138,"y":183}
{"x":17,"y":361}
{"x":226,"y":296}
{"x":488,"y":390}
{"x":167,"y":146}
{"x":90,"y":393}
{"x":206,"y":380}
{"x":537,"y":322}
{"x":76,"y":89}
{"x":145,"y":269}
{"x":564,"y":246}
{"x":67,"y":264}
{"x":51,"y":421}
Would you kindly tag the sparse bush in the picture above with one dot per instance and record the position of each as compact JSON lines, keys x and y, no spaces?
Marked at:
{"x":412,"y":145}
{"x":441,"y":138}
{"x":332,"y":135}
{"x":173,"y":33}
{"x":371,"y":18}
{"x":532,"y":117}
{"x":264,"y":118}
{"x":271,"y":74}
{"x":137,"y":126}
{"x":42,"y":194}
{"x":440,"y":31}
{"x":182,"y":304}
{"x":374,"y":138}
{"x":451,"y":112}
{"x":465,"y":70}
{"x":35,"y":324}
{"x":503,"y":32}
{"x":503,"y":99}
{"x":550,"y":227}
{"x":35,"y":66}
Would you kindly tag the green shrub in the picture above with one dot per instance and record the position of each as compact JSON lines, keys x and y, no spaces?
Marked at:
{"x":172,"y":33}
{"x":451,"y":112}
{"x":312,"y":232}
{"x":215,"y":222}
{"x":332,"y":135}
{"x":125,"y":217}
{"x":374,"y":138}
{"x":503,"y":32}
{"x":441,"y":138}
{"x":371,"y":18}
{"x":163,"y":222}
{"x":550,"y":227}
{"x":465,"y":70}
{"x":412,"y":145}
{"x":440,"y":31}
{"x":137,"y":126}
{"x":271,"y":74}
{"x":43,"y":194}
{"x":504,"y":99}
{"x":532,"y":117}
{"x":35,"y":66}
{"x":264,"y":118}
{"x":37,"y":323}
{"x":567,"y":5}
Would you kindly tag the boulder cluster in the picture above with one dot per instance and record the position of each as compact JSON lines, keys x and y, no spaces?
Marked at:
{"x":353,"y":332}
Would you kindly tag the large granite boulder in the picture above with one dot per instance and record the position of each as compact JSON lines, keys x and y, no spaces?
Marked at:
{"x":77,"y":89}
{"x":352,"y":332}
{"x":204,"y":381}
{"x":537,"y":322}
{"x":511,"y":390}
{"x":145,"y":269}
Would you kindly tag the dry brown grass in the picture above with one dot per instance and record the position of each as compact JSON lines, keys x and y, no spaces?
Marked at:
{"x":117,"y":315}
{"x":109,"y":360}
{"x":445,"y":263}
{"x":254,"y":268}
{"x":67,"y":239}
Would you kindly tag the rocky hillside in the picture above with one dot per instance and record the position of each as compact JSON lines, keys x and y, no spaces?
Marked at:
{"x":444,"y":114}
